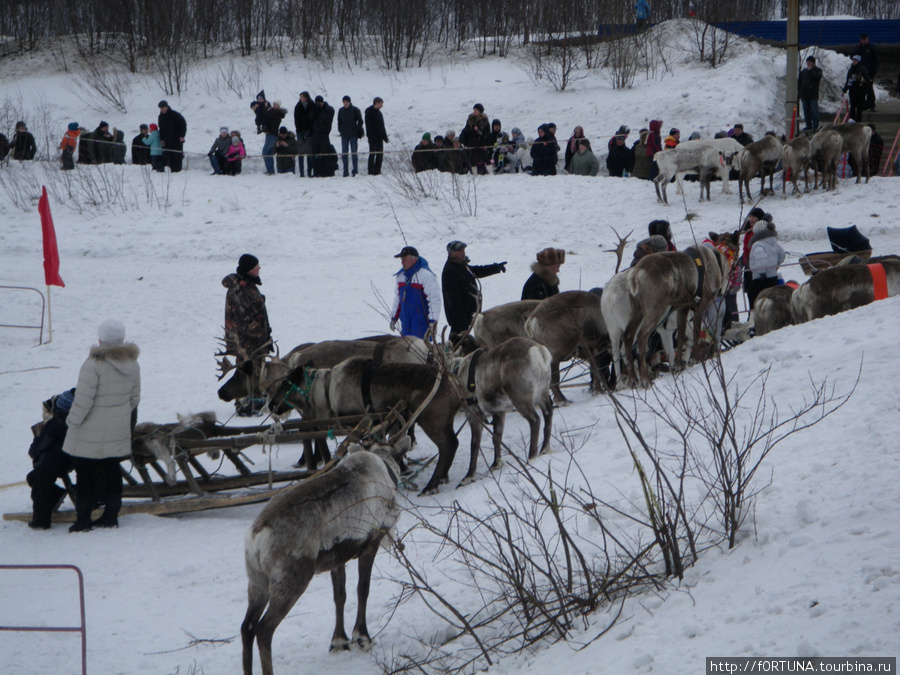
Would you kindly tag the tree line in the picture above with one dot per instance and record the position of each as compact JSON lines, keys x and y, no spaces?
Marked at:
{"x":401,"y":33}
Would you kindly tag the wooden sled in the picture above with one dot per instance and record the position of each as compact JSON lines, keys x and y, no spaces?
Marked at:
{"x":198,"y":487}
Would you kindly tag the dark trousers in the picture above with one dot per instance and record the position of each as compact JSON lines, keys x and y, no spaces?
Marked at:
{"x":857,"y":100}
{"x":376,"y":156}
{"x":97,"y":480}
{"x":68,"y":162}
{"x":172,"y":158}
{"x":157,"y":162}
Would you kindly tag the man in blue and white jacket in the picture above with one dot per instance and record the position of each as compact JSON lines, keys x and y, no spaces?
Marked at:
{"x":417,"y":301}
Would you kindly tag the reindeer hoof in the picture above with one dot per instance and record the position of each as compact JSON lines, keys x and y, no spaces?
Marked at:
{"x":497,"y":465}
{"x":561,"y":402}
{"x":339,"y":645}
{"x":364,"y":642}
{"x":428,"y":492}
{"x":468,"y":480}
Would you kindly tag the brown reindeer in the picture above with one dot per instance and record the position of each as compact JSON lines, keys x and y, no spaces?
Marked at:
{"x":856,"y":138}
{"x":512,"y":376}
{"x":663,"y":282}
{"x":571,"y":323}
{"x":319,"y":526}
{"x":825,"y":150}
{"x":796,"y":159}
{"x":360,"y":385}
{"x":759,"y":158}
{"x":500,"y":323}
{"x":772,"y":309}
{"x":838,"y":289}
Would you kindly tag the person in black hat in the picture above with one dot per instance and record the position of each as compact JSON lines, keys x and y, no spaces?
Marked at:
{"x":248,"y":335}
{"x":417,"y":300}
{"x":857,"y":84}
{"x":49,"y":462}
{"x":172,"y":130}
{"x":461,"y":291}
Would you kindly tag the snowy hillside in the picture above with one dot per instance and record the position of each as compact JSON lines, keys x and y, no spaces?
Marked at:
{"x":816,"y":571}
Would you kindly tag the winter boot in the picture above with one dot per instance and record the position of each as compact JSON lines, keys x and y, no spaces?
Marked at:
{"x":82,"y":515}
{"x":110,"y":517}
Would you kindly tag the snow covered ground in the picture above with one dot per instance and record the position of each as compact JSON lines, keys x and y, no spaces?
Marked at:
{"x":817,"y":571}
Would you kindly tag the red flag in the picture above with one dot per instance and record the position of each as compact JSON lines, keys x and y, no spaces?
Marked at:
{"x":51,"y":253}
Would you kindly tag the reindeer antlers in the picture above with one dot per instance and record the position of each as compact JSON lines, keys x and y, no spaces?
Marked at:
{"x":619,"y":250}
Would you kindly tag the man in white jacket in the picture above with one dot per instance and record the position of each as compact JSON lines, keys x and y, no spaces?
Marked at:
{"x":100,"y":423}
{"x":766,"y":256}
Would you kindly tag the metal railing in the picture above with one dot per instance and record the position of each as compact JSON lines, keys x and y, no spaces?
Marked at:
{"x":82,"y":628}
{"x":43,"y":305}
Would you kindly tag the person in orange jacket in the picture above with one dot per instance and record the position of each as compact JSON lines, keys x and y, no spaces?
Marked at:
{"x":67,"y":146}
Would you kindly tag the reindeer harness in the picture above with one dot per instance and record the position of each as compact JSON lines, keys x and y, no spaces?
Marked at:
{"x":470,"y":376}
{"x":879,"y":281}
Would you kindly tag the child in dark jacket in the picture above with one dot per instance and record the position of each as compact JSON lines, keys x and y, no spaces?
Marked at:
{"x":49,"y":462}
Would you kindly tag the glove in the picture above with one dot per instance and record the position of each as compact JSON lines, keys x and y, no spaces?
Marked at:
{"x":394,"y":324}
{"x":502,"y":266}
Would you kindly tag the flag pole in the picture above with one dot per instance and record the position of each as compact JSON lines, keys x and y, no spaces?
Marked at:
{"x":49,"y":318}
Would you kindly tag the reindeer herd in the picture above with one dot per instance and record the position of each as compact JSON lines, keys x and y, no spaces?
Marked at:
{"x":510,"y":362}
{"x":717,"y":157}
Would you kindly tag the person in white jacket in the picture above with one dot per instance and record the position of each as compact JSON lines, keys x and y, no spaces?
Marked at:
{"x":766,"y":256}
{"x":100,"y":423}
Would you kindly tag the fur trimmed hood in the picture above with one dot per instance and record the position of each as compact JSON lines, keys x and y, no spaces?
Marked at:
{"x":546,"y":275}
{"x":121,"y":357}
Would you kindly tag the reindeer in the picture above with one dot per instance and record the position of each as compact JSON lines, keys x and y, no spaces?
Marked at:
{"x":360,"y":385}
{"x":772,"y":309}
{"x":761,"y":157}
{"x":701,"y":156}
{"x":839,"y":289}
{"x":500,"y":323}
{"x":568,"y":323}
{"x":512,"y":376}
{"x":856,"y":138}
{"x":796,"y":157}
{"x":663,"y":282}
{"x":825,"y":150}
{"x":388,"y":348}
{"x":319,"y":526}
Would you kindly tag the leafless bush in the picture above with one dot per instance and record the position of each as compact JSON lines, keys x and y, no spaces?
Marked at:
{"x":538,"y":567}
{"x":242,"y":77}
{"x":711,"y":43}
{"x":100,"y":86}
{"x":560,"y":65}
{"x":622,"y":59}
{"x":458,"y":191}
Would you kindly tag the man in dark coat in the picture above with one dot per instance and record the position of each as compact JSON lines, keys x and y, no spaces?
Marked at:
{"x":172,"y":130}
{"x":285,"y":151}
{"x":321,"y":130}
{"x":620,"y":159}
{"x":23,"y":145}
{"x":544,"y":153}
{"x":869,"y":58}
{"x":4,"y":146}
{"x":808,"y":92}
{"x":248,"y":335}
{"x":544,"y":280}
{"x":857,"y":84}
{"x":140,"y":153}
{"x":350,"y":127}
{"x":741,"y":136}
{"x":462,"y":295}
{"x":376,"y":135}
{"x":101,"y":144}
{"x":304,"y":114}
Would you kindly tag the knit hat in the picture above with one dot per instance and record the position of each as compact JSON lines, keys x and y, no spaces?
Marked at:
{"x":261,"y":95}
{"x":63,"y":402}
{"x":246,"y":263}
{"x":346,"y":98}
{"x":223,"y":130}
{"x":757,"y":213}
{"x":153,"y":127}
{"x":235,"y":140}
{"x":516,"y":131}
{"x":456,"y":245}
{"x":426,"y":136}
{"x":478,"y":107}
{"x":73,"y":126}
{"x":623,"y":131}
{"x":162,"y":104}
{"x":551,"y":256}
{"x":102,"y":124}
{"x":694,"y":136}
{"x":143,"y":126}
{"x":856,"y":57}
{"x":319,"y":99}
{"x":282,"y":130}
{"x":111,"y":332}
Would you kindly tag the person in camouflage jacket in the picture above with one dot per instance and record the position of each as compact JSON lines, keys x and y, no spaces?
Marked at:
{"x":247,"y":330}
